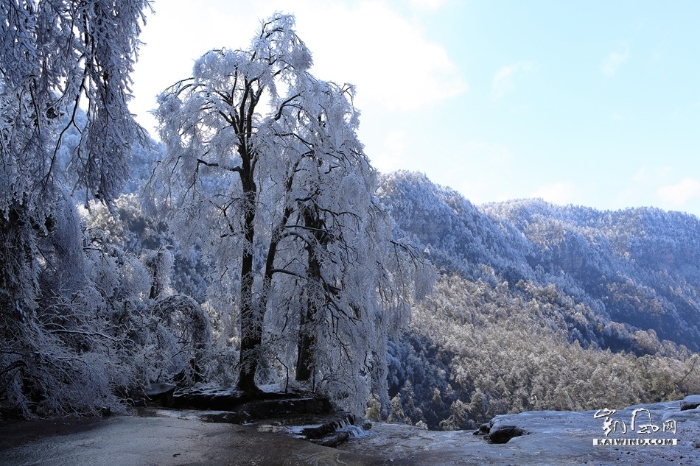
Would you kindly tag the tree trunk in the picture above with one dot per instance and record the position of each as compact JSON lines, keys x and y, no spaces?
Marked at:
{"x":251,"y":320}
{"x":307,"y":328}
{"x":306,"y":344}
{"x":251,"y":329}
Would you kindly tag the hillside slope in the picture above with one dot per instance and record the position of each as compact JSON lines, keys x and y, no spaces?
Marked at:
{"x":542,"y":307}
{"x":637,"y":269}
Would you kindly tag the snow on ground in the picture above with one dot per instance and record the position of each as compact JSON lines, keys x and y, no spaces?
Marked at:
{"x":179,"y":437}
{"x":554,"y":437}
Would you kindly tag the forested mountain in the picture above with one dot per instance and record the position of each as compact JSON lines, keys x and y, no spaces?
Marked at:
{"x":540,"y":306}
{"x":635,"y":267}
{"x":641,"y":264}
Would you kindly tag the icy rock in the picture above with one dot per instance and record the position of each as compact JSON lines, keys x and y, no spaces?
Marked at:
{"x":502,"y":434}
{"x":160,"y":392}
{"x":333,"y":440}
{"x":690,"y":402}
{"x":329,"y":427}
{"x":157,"y":389}
{"x":225,"y":417}
{"x":483,"y":429}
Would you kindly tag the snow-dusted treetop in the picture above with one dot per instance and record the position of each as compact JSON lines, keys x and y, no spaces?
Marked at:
{"x":265,"y":160}
{"x":55,"y":56}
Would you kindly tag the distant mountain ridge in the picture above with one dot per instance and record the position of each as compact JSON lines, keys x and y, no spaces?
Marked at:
{"x":636,"y":269}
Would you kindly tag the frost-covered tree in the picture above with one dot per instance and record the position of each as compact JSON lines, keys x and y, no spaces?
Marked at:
{"x":57,"y":56}
{"x":64,"y":128}
{"x":264,"y":160}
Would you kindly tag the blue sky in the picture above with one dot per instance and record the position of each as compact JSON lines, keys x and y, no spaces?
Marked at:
{"x":592,"y":103}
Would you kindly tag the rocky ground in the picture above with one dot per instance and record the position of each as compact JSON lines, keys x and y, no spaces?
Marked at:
{"x":175,"y":437}
{"x":549,"y":438}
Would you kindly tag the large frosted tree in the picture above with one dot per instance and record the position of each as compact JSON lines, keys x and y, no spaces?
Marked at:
{"x":64,"y":129}
{"x":57,"y":56}
{"x":264,"y":168}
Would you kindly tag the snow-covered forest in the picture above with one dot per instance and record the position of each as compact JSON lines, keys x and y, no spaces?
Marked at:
{"x":542,"y":307}
{"x":256,"y":245}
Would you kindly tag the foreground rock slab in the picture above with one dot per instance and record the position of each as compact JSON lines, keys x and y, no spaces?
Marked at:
{"x":168,"y":439}
{"x":551,"y":438}
{"x":177,"y":438}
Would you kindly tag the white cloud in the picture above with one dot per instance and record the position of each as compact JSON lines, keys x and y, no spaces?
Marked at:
{"x":615,"y":59}
{"x":391,"y":155}
{"x":386,"y":55}
{"x":679,"y":193}
{"x":557,"y":193}
{"x":652,"y":175}
{"x":483,"y":171}
{"x":615,"y":116}
{"x":503,"y":79}
{"x":427,"y":5}
{"x":490,"y":156}
{"x":367,"y":43}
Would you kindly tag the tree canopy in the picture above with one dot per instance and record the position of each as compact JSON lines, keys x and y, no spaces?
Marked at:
{"x":57,"y":57}
{"x":65,"y":129}
{"x":268,"y":157}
